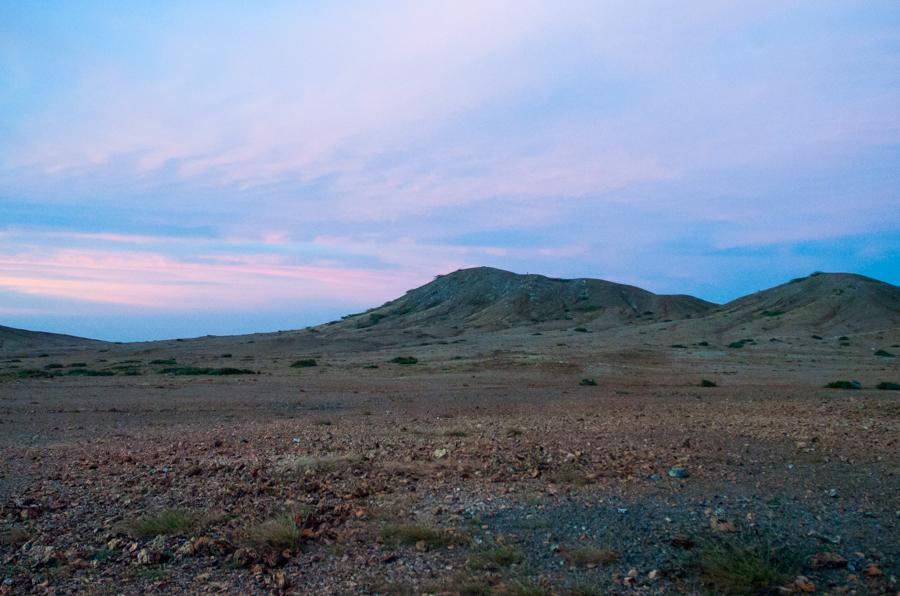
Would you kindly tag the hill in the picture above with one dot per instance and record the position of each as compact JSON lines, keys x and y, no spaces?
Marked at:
{"x":20,"y":340}
{"x":822,"y":303}
{"x":491,"y":299}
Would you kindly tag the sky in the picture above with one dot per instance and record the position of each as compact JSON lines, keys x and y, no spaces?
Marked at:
{"x":175,"y":169}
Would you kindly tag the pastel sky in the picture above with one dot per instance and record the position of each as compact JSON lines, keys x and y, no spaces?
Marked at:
{"x":171,"y":169}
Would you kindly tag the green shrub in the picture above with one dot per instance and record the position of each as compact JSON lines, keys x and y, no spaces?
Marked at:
{"x":405,"y":360}
{"x":884,"y":354}
{"x":741,"y":343}
{"x":588,"y":382}
{"x":844,"y":385}
{"x":33,"y":373}
{"x":53,"y":365}
{"x":78,"y":365}
{"x":304,"y":363}
{"x":581,"y":330}
{"x":888,"y":386}
{"x":163,"y":361}
{"x":772,"y":313}
{"x":707,"y":383}
{"x":87,"y":372}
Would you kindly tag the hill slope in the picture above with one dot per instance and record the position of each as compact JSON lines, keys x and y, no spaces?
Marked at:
{"x":15,"y":340}
{"x":822,"y":303}
{"x":491,"y":299}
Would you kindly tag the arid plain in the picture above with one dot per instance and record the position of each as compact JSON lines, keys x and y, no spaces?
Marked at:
{"x":486,"y":433}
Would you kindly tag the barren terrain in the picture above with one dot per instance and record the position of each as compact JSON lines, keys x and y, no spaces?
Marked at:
{"x":559,"y":457}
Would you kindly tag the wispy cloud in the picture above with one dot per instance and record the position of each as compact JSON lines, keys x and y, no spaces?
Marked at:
{"x":316,"y":150}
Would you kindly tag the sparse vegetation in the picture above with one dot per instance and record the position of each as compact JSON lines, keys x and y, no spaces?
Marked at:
{"x":280,"y":532}
{"x":170,"y":521}
{"x":744,"y":565}
{"x":844,"y":385}
{"x":53,"y":365}
{"x":888,"y":386}
{"x":159,"y":361}
{"x":88,"y":372}
{"x":192,"y":370}
{"x":495,"y":558}
{"x":884,"y":354}
{"x":409,"y":535}
{"x":584,"y":556}
{"x":707,"y":383}
{"x":581,"y":329}
{"x":588,"y":382}
{"x":772,"y":313}
{"x":514,"y":431}
{"x":318,"y":463}
{"x":405,"y":360}
{"x":741,"y":343}
{"x":304,"y":363}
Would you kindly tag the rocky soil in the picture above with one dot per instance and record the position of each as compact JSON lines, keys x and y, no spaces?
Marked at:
{"x":496,"y":473}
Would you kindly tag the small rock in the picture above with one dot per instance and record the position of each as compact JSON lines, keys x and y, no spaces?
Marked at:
{"x":800,"y":585}
{"x":833,"y":493}
{"x":722,"y":525}
{"x":440,"y":453}
{"x":421,"y":546}
{"x":148,"y":557}
{"x":872,"y":570}
{"x":653,"y":575}
{"x":682,"y":542}
{"x":678,"y":473}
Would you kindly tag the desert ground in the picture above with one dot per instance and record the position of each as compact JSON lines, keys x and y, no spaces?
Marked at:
{"x":539,"y":459}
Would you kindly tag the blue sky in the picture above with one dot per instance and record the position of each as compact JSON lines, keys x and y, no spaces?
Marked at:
{"x":178,"y":169}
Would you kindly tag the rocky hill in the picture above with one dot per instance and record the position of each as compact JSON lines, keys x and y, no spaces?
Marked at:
{"x":822,"y":303}
{"x":491,"y":299}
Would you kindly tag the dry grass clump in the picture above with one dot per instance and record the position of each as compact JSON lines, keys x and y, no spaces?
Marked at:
{"x":410,"y":535}
{"x":280,"y":532}
{"x":744,"y":565}
{"x":590,"y":556}
{"x":495,"y":558}
{"x":169,"y":521}
{"x":304,"y":464}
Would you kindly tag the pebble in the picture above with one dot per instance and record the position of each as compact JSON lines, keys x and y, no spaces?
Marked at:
{"x":678,"y":473}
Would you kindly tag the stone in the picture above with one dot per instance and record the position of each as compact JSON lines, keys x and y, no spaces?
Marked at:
{"x":722,"y":525}
{"x":873,"y":570}
{"x":440,"y":453}
{"x":677,"y":472}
